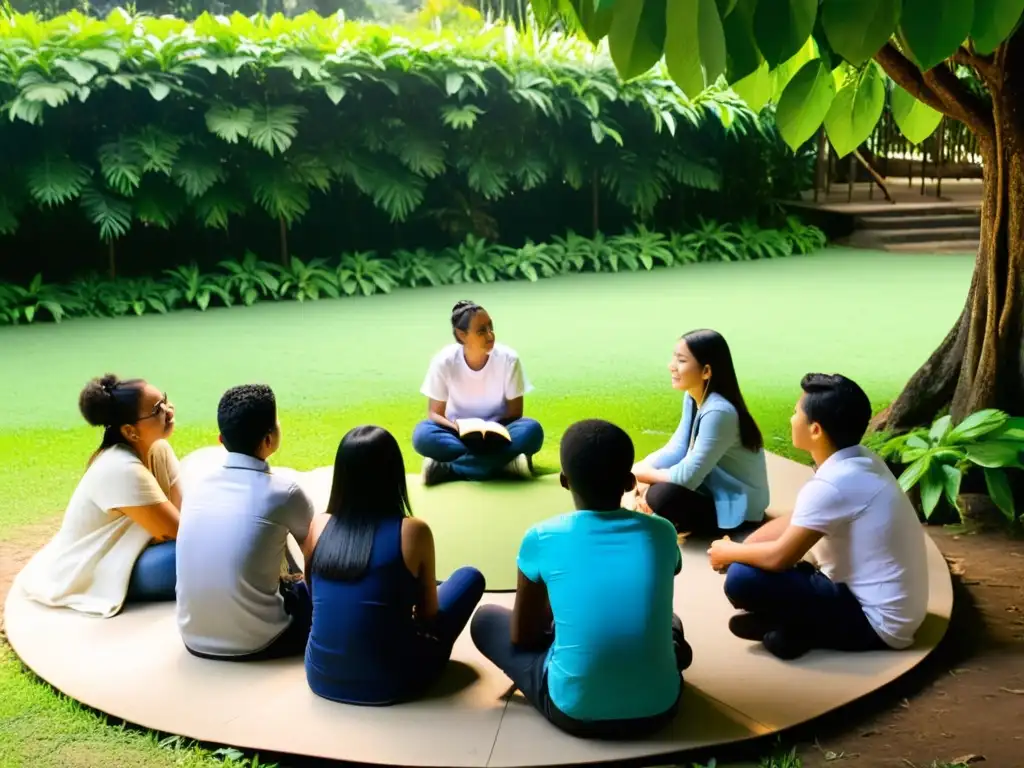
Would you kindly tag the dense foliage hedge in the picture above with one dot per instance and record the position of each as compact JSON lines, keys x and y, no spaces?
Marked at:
{"x":251,"y":279}
{"x":157,"y":136}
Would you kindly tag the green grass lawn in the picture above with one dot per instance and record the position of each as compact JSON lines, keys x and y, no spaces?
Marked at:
{"x":593,"y":346}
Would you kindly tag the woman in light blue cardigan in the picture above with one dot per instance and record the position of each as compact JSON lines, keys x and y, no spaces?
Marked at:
{"x":712,"y":475}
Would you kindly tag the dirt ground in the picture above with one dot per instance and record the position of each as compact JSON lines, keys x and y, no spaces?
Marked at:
{"x":964,"y":705}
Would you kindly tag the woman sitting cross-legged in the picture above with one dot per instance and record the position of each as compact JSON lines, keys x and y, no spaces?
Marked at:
{"x":592,"y":641}
{"x":712,"y":475}
{"x":116,"y":542}
{"x":475,"y":379}
{"x":383,"y":629}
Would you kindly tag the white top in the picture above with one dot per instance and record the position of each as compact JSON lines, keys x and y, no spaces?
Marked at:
{"x":234,"y":528}
{"x":88,"y":563}
{"x":873,"y":541}
{"x":475,"y":394}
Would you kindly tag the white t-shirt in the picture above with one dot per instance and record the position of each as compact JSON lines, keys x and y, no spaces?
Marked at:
{"x":88,"y":563}
{"x":235,"y":522}
{"x":475,"y":394}
{"x":872,"y":540}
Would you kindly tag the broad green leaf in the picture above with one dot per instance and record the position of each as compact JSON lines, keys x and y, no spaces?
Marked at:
{"x":804,"y":103}
{"x":933,"y":483}
{"x":274,"y":128}
{"x":109,"y":59}
{"x":229,"y":122}
{"x":782,"y":74}
{"x":951,"y":483}
{"x":81,"y":71}
{"x":595,"y":17}
{"x":1012,"y":429}
{"x":916,"y":120}
{"x":743,"y":56}
{"x":993,"y":22}
{"x":636,"y":38}
{"x":995,"y":453}
{"x":977,"y":424}
{"x":1000,"y":492}
{"x":159,"y":91}
{"x":725,"y":7}
{"x":857,"y":29}
{"x":782,"y":27}
{"x":856,"y":110}
{"x":112,"y":215}
{"x":908,"y":479}
{"x":940,"y":429}
{"x":694,"y":44}
{"x":453,"y":83}
{"x":54,"y":180}
{"x":335,"y":93}
{"x":755,"y":89}
{"x":933,"y":29}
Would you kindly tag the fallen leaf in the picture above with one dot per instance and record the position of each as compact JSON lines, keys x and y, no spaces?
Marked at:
{"x":1014,"y":691}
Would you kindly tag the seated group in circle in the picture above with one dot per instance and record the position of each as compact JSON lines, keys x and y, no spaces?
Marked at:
{"x":593,"y":641}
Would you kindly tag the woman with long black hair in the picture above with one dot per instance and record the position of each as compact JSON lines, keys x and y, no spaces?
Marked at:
{"x":712,"y":475}
{"x":383,"y":628}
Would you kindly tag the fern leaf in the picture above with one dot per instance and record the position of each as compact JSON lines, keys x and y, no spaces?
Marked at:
{"x":196,"y":173}
{"x":159,"y":149}
{"x":395,"y":190}
{"x":112,"y":215}
{"x":421,"y":155}
{"x":159,"y":204}
{"x":310,"y":171}
{"x":216,"y":206}
{"x":36,"y":88}
{"x":280,"y":196}
{"x":460,"y":117}
{"x":273,"y":128}
{"x":56,"y":179}
{"x":487,"y":177}
{"x":121,"y":163}
{"x":228,"y":122}
{"x":8,"y":217}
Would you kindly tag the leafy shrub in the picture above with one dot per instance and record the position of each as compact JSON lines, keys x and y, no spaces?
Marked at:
{"x":232,"y":120}
{"x":474,"y":261}
{"x":937,"y":457}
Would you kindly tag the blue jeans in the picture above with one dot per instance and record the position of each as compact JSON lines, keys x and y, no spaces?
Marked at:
{"x":423,"y":656}
{"x":154,"y":576}
{"x":803,"y":600}
{"x":435,"y":442}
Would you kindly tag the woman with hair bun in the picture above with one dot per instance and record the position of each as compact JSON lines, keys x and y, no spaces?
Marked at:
{"x":116,"y":542}
{"x":470,"y":385}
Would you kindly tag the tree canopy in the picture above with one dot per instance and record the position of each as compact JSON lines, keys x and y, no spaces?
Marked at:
{"x":820,"y":61}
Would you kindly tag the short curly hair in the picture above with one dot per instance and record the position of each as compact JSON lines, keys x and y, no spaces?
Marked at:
{"x":245,"y":416}
{"x":597,"y":459}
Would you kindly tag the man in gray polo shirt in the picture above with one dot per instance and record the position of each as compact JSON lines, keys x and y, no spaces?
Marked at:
{"x":232,"y":602}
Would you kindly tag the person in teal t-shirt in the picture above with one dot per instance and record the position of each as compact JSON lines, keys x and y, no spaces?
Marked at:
{"x":592,"y":641}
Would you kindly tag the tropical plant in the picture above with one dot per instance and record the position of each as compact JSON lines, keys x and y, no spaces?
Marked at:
{"x":835,"y":65}
{"x":937,"y":457}
{"x":235,"y":121}
{"x":802,"y":238}
{"x":758,"y":243}
{"x":713,"y":241}
{"x":366,"y":274}
{"x":251,"y":279}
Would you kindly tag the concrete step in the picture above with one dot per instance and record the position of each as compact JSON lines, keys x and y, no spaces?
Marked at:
{"x":930,"y":234}
{"x":924,"y":209}
{"x":926,"y":246}
{"x":936,"y":220}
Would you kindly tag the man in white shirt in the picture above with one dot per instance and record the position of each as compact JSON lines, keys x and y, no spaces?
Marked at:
{"x":232,"y":601}
{"x":870,"y":587}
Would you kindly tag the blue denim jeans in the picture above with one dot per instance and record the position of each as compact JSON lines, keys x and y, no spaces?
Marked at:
{"x":154,"y":576}
{"x":435,"y":442}
{"x":805,"y":601}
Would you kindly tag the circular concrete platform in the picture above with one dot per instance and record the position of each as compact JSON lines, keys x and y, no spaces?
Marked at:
{"x":134,"y":667}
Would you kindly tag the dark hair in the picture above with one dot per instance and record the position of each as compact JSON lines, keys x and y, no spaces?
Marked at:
{"x":597,"y":458}
{"x":710,"y":348}
{"x":839,"y":405}
{"x":462,"y":315}
{"x":110,"y":402}
{"x":245,"y":416}
{"x":368,"y":486}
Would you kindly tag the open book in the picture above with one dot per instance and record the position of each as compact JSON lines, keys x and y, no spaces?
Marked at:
{"x":479,"y":433}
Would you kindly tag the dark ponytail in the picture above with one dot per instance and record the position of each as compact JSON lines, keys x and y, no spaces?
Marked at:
{"x":109,"y":402}
{"x":462,"y":316}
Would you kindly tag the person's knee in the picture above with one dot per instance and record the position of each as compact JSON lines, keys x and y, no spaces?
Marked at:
{"x":742,"y":584}
{"x":423,"y":436}
{"x":657,"y":495}
{"x":470,"y":579}
{"x":487,"y":622}
{"x":532,"y":437}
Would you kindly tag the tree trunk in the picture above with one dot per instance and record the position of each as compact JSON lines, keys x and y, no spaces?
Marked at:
{"x":980,"y":364}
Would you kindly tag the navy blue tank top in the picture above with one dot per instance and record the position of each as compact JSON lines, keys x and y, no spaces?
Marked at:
{"x":363,"y":631}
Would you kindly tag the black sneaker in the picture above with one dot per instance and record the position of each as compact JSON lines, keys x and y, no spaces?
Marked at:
{"x":750,"y":626}
{"x":436,"y":472}
{"x":785,"y":644}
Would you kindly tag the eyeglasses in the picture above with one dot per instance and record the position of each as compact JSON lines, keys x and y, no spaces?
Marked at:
{"x":159,"y":409}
